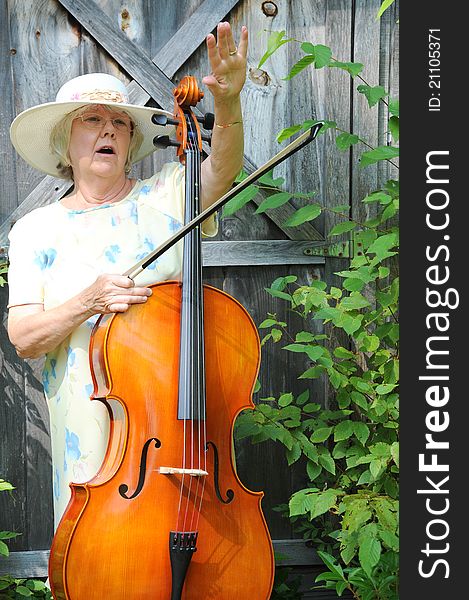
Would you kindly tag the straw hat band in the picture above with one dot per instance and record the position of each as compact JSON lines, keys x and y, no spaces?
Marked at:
{"x":104,"y":95}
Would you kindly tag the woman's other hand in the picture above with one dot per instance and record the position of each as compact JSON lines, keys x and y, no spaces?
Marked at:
{"x":112,"y":293}
{"x":228,"y":63}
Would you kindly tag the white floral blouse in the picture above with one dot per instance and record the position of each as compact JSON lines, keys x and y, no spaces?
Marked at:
{"x":55,"y":253}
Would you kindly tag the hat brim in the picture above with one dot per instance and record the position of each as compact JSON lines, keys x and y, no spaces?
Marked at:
{"x":31,"y":129}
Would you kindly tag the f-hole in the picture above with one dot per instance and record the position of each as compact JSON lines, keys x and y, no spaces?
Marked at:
{"x":229,"y":493}
{"x":124,"y":488}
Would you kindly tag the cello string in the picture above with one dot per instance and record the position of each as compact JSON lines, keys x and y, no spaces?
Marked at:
{"x":200,"y":356}
{"x":191,"y":293}
{"x":197,"y":311}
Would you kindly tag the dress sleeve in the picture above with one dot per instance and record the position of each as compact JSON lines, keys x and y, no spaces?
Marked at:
{"x":210,"y":225}
{"x":27,"y":262}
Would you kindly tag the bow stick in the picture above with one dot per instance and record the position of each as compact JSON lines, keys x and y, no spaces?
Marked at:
{"x":296,"y":145}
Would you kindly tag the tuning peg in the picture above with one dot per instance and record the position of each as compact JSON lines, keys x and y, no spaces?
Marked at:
{"x":208,"y":121}
{"x":163,"y":141}
{"x":163,"y":120}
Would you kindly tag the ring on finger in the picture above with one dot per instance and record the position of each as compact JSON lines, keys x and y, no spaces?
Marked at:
{"x":232,"y":52}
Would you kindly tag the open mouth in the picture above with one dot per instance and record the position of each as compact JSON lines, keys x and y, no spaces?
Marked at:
{"x":105,"y":150}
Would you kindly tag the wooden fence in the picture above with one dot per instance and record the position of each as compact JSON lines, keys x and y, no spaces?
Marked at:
{"x":151,"y":45}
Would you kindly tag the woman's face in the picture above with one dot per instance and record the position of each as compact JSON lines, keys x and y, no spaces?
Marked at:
{"x":96,"y":147}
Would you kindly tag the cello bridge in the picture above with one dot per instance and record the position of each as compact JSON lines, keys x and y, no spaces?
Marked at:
{"x":177,"y":471}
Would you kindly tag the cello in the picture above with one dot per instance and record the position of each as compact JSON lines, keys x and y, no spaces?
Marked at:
{"x":166,"y":517}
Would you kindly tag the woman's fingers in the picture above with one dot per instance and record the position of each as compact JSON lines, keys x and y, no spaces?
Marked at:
{"x":115,"y":293}
{"x":243,"y":42}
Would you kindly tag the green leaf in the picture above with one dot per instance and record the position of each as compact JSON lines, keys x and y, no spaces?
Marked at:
{"x":377,"y":467}
{"x":379,"y":153}
{"x":274,"y":201}
{"x":364,"y":478}
{"x":36,"y":585}
{"x":352,"y":68}
{"x":303,"y":398}
{"x":268,"y":179}
{"x":390,"y":539}
{"x":354,"y":302}
{"x":359,"y":400}
{"x":8,"y":535}
{"x":394,"y":128}
{"x":294,"y":454}
{"x":275,"y":41}
{"x":382,"y":246}
{"x":370,"y":343}
{"x":384,"y":5}
{"x":395,"y":452}
{"x":267,"y":323}
{"x":281,"y":282}
{"x":305,"y":336}
{"x":327,"y":462}
{"x":277,"y":294}
{"x":394,"y":107}
{"x":372,"y":94}
{"x":380,"y":197}
{"x":385,"y":388}
{"x":330,"y":563}
{"x":4,"y":549}
{"x":321,"y":434}
{"x":302,"y":215}
{"x":369,"y":553}
{"x":322,"y":502}
{"x":361,"y":431}
{"x":285,"y":399}
{"x":276,"y":335}
{"x":5,"y":486}
{"x":307,"y":47}
{"x":322,"y":55}
{"x":343,"y":430}
{"x":288,"y":132}
{"x":300,"y":65}
{"x":342,"y":228}
{"x":313,"y":469}
{"x":354,"y":285}
{"x":299,"y":503}
{"x":345,"y":140}
{"x":23,"y":591}
{"x":341,"y":352}
{"x":312,"y":373}
{"x":239,"y":200}
{"x":340,"y":208}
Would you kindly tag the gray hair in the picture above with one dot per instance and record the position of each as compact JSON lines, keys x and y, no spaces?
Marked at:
{"x":60,"y":141}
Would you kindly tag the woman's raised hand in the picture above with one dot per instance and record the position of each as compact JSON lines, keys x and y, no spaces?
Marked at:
{"x":113,"y":293}
{"x":228,"y":63}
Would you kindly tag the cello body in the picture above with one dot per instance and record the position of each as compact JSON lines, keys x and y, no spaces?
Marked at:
{"x":112,"y":541}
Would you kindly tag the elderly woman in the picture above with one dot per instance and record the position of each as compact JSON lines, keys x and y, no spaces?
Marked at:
{"x":66,"y":258}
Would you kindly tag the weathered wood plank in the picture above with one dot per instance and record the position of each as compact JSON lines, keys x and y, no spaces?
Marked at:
{"x":34,"y":563}
{"x":8,"y":191}
{"x":258,"y":252}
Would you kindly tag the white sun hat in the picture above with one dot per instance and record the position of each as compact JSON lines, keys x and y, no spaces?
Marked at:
{"x":31,"y":129}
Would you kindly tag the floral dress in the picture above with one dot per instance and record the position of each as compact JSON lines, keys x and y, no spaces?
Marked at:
{"x":54,"y":254}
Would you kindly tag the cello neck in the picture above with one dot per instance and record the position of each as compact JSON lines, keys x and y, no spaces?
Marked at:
{"x":191,"y":404}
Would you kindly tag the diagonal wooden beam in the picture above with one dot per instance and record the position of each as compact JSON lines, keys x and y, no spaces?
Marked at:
{"x":98,"y":24}
{"x":136,"y":63}
{"x":139,"y":66}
